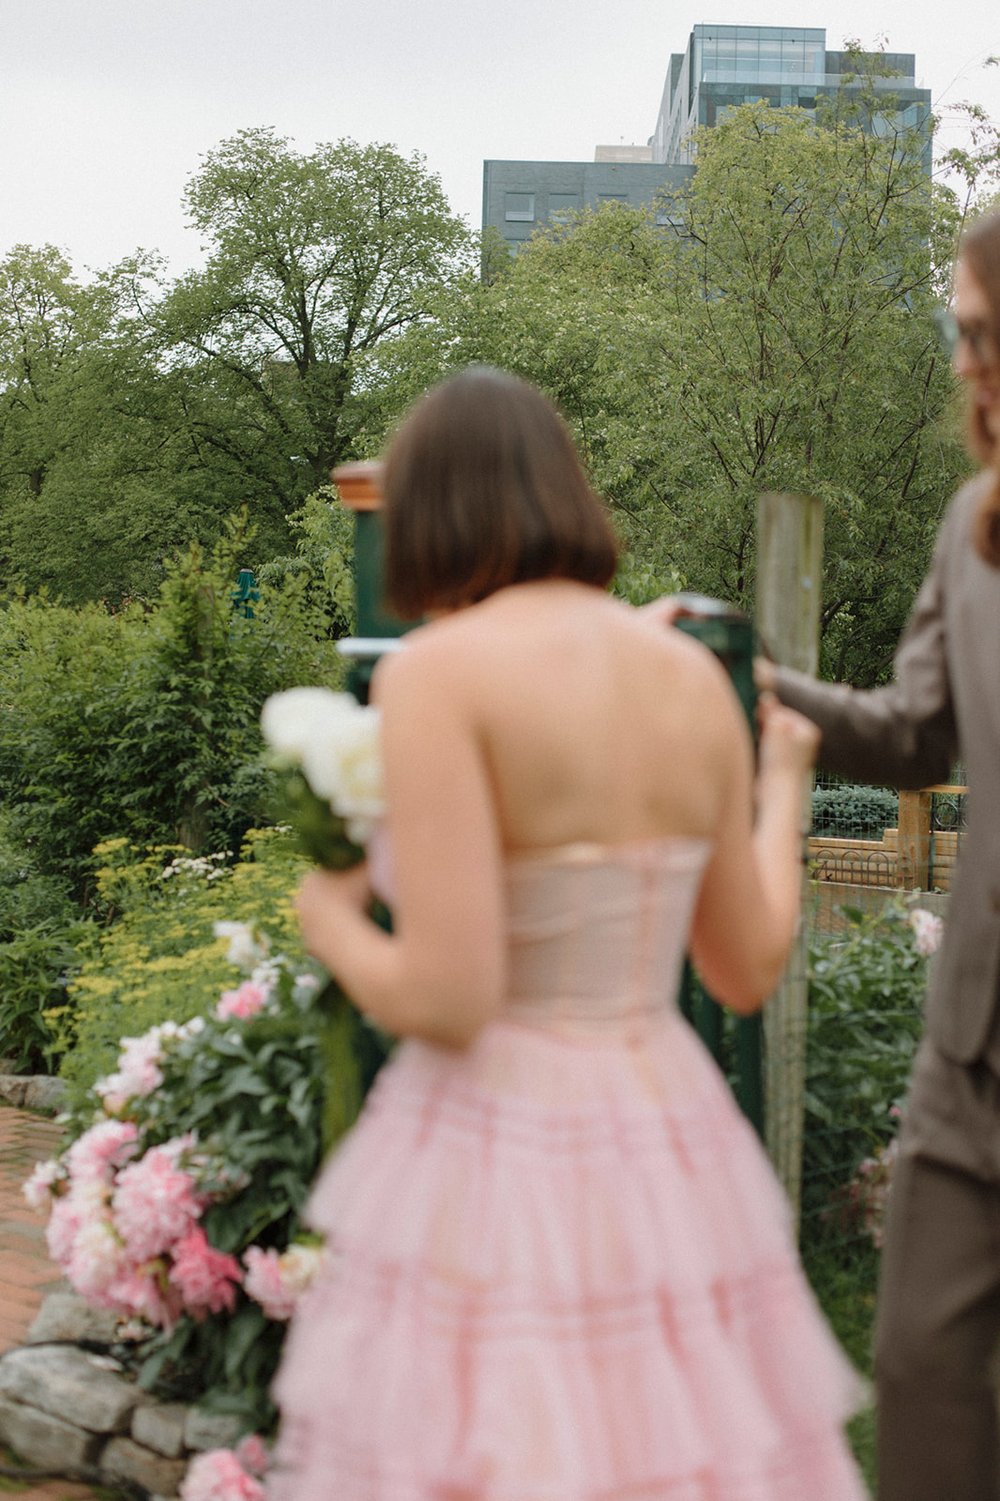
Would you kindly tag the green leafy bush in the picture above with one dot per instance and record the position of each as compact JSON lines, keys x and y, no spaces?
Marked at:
{"x":850,"y":812}
{"x":866,"y":988}
{"x":39,"y":930}
{"x":324,"y":554}
{"x":144,"y":723}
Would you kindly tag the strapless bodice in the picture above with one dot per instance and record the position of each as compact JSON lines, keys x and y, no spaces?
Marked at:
{"x":597,"y":933}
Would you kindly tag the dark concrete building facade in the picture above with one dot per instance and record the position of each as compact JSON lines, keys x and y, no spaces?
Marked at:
{"x":520,"y":197}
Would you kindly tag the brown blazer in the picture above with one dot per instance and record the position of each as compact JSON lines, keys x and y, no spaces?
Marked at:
{"x":945,"y":698}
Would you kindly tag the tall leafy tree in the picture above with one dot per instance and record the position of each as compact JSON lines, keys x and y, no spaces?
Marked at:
{"x":781,"y":338}
{"x":136,"y":415}
{"x":316,"y":262}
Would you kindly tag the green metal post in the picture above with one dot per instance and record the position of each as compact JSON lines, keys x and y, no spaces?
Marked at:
{"x":378,"y":628}
{"x":360,"y":489}
{"x":246,"y":594}
{"x":729,"y":634}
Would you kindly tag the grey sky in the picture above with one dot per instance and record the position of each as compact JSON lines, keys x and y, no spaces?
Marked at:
{"x":107,"y":105}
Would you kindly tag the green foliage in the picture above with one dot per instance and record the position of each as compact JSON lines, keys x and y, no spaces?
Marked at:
{"x":34,"y":968}
{"x":258,"y":1094}
{"x":145,"y":723}
{"x":136,"y":414}
{"x":866,"y":988}
{"x":323,"y":530}
{"x":315,"y":262}
{"x":159,"y":959}
{"x":96,"y":491}
{"x":857,"y":812}
{"x":782,"y":339}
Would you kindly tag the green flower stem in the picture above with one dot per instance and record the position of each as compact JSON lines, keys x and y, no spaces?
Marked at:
{"x":342,"y":1069}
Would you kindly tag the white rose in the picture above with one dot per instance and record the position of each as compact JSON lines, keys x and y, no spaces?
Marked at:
{"x":290,"y":721}
{"x":301,"y":1265}
{"x":247,"y":946}
{"x":342,"y":764}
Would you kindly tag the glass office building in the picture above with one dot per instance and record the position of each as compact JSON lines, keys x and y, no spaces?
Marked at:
{"x":722,"y":67}
{"x":725,"y":66}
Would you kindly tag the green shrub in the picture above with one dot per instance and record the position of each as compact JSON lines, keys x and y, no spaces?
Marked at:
{"x":39,"y":931}
{"x":866,"y":987}
{"x":850,"y":812}
{"x":323,"y":558}
{"x":144,"y":724}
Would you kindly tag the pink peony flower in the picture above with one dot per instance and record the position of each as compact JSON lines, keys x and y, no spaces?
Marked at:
{"x":243,"y":1003}
{"x":277,"y":1280}
{"x":138,"y":1072}
{"x":98,"y":1153}
{"x":206,"y":1278}
{"x":97,"y":1259}
{"x":155,"y":1202}
{"x":61,"y":1230}
{"x":219,"y":1476}
{"x":146,"y":1293}
{"x":252,"y":1454}
{"x":40,"y":1188}
{"x":928,"y":930}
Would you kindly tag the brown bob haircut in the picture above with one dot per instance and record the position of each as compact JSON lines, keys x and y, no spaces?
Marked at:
{"x":484,"y":488}
{"x":980,"y":250}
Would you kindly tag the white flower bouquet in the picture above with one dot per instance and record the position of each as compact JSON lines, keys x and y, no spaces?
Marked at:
{"x":327,"y":746}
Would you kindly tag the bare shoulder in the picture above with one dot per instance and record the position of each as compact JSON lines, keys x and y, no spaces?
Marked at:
{"x":683,"y":654}
{"x":432,"y":656}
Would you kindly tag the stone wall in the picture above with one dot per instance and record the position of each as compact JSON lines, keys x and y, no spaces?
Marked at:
{"x":67,"y":1405}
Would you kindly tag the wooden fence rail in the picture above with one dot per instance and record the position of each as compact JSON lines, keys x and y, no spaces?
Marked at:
{"x":914,"y":856}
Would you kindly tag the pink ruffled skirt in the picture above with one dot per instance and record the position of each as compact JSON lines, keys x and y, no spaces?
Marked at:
{"x":560,"y":1270}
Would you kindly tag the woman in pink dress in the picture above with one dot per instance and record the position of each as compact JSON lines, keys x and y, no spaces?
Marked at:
{"x":560,"y":1266}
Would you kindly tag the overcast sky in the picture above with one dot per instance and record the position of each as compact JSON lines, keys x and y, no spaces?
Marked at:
{"x":106,"y":106}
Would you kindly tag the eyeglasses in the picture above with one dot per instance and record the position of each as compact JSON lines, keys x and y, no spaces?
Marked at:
{"x":980,"y":340}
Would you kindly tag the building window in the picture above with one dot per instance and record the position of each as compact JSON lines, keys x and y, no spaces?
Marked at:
{"x":612,"y":198}
{"x":519,"y":208}
{"x":563,"y":204}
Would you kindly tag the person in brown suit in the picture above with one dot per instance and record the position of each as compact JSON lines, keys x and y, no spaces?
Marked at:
{"x":938,"y":1321}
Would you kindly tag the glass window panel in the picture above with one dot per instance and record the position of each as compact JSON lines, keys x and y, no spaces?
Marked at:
{"x":519,"y":207}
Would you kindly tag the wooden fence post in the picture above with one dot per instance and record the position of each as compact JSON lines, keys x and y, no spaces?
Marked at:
{"x":913,"y":853}
{"x":789,"y":578}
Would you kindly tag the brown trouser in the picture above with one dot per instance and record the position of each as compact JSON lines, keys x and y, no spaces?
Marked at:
{"x":938,"y":1325}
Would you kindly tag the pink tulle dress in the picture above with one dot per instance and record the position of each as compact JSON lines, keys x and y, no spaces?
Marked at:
{"x":561,"y":1268}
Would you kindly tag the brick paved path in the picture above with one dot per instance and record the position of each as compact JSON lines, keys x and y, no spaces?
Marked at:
{"x":26,"y":1273}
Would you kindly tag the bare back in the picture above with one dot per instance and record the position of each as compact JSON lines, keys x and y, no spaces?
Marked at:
{"x":550,"y":715}
{"x":595,"y":725}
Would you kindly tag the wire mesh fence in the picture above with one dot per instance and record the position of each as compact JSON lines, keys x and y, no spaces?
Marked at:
{"x":866,"y":981}
{"x":876,"y":837}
